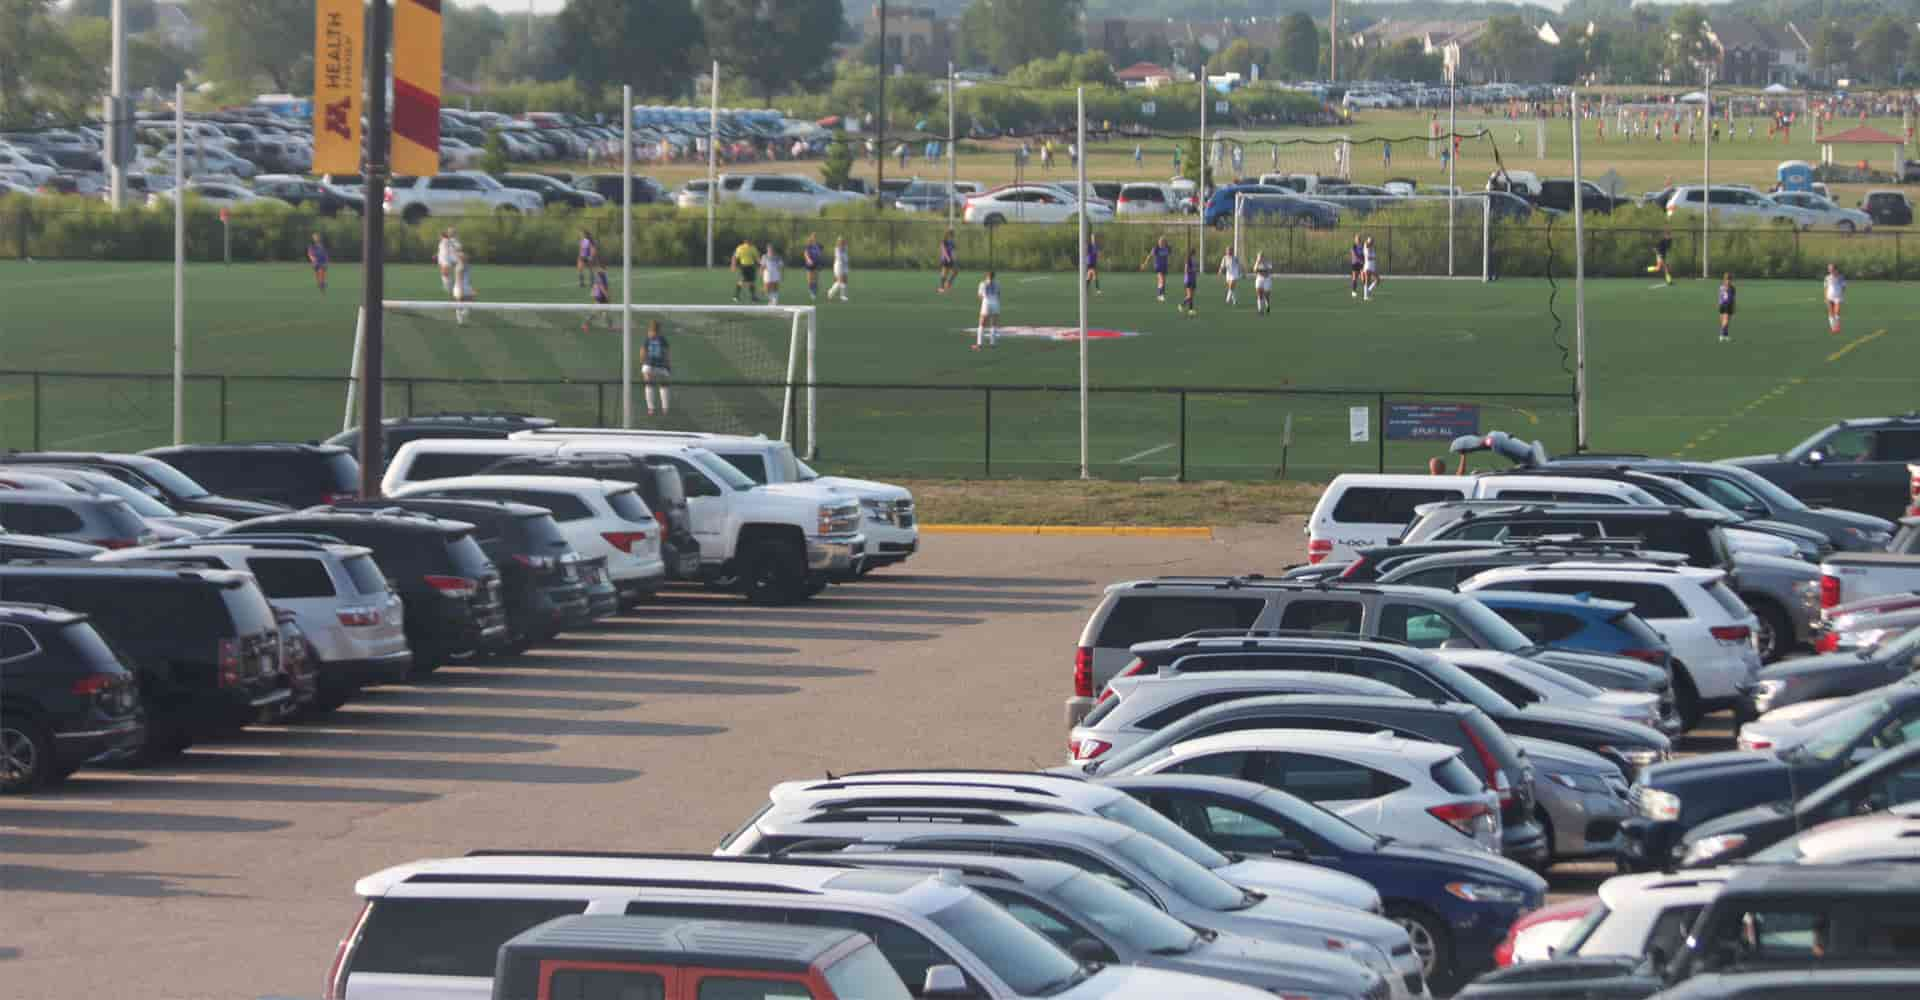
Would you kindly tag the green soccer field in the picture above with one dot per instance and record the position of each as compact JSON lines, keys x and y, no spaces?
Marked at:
{"x":1661,"y":382}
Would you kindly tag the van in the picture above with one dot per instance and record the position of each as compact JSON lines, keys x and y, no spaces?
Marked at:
{"x":1364,"y":510}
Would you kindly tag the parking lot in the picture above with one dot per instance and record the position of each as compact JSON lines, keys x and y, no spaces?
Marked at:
{"x":229,"y":874}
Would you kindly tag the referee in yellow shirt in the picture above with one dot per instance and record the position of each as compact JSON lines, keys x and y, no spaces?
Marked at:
{"x":747,"y":260}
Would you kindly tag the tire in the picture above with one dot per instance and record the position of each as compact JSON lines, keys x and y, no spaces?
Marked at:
{"x":1546,"y":824}
{"x":413,"y":214}
{"x":162,"y":744}
{"x":1430,"y":942}
{"x":1775,"y":631}
{"x":426,"y":660}
{"x":26,"y":755}
{"x":774,"y":573}
{"x":1686,"y":699}
{"x":1846,"y":226}
{"x":996,"y":219}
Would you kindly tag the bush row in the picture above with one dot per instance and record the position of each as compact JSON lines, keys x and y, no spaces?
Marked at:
{"x":1410,"y":240}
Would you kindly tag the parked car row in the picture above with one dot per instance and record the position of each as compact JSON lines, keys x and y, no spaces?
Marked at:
{"x":147,"y":612}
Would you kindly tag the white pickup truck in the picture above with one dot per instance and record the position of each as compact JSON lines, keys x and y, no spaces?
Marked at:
{"x":775,"y":544}
{"x":782,"y":193}
{"x":1846,"y":577}
{"x":458,"y":192}
{"x":888,"y":516}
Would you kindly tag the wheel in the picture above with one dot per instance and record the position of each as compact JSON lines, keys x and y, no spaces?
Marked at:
{"x":1430,"y":943}
{"x":814,"y":588}
{"x":508,"y":210}
{"x":426,"y":660}
{"x":1686,"y":699}
{"x":1773,"y":632}
{"x":1846,"y":226}
{"x":26,"y":755}
{"x":867,"y":567}
{"x":774,"y":573}
{"x":1546,"y":826}
{"x":413,"y":214}
{"x":162,"y":743}
{"x":996,"y":219}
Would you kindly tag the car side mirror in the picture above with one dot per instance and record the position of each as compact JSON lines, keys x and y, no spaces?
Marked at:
{"x":1815,"y":457}
{"x":1291,"y":850}
{"x":1458,"y":643}
{"x":945,"y":981}
{"x":1087,"y":951}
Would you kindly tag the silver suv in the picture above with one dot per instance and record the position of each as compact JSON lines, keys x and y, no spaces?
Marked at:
{"x":337,"y":593}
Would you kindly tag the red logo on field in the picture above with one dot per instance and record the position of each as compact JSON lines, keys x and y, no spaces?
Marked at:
{"x":1067,"y":333}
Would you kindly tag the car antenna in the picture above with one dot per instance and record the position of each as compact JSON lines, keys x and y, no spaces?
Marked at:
{"x":830,"y":776}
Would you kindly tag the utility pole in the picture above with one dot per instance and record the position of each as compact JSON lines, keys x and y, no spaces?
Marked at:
{"x":952,"y":150}
{"x":1333,"y":43}
{"x":880,"y":114}
{"x":1706,"y":179}
{"x":373,"y":256}
{"x":119,"y":129}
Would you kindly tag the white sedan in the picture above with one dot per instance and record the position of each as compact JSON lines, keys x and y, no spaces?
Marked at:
{"x":1030,"y":203}
{"x":1811,"y":210}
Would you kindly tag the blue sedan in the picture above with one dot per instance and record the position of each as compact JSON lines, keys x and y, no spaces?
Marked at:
{"x":1456,"y":903}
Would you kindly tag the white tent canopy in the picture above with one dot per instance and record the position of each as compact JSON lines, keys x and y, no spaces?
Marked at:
{"x":1777,"y":88}
{"x":1694,"y":98}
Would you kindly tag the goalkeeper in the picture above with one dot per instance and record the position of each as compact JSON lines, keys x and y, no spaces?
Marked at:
{"x":656,"y":367}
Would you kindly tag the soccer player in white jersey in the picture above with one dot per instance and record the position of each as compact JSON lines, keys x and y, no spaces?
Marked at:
{"x":1369,"y":270}
{"x":1230,"y":272}
{"x":987,"y":333}
{"x":1836,"y":287}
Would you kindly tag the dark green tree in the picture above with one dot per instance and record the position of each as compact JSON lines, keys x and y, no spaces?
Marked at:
{"x":650,"y":44}
{"x":838,"y":165}
{"x":775,"y":45}
{"x":1299,"y":51}
{"x":1009,"y":33}
{"x":250,"y":42}
{"x":139,"y":12}
{"x":1406,"y":60}
{"x":1883,"y":47}
{"x":470,"y":31}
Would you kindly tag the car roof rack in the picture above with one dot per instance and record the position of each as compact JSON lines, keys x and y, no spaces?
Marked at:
{"x":907,"y":814}
{"x":541,"y":852}
{"x":856,"y":785}
{"x":1282,"y":633}
{"x":974,"y":865}
{"x":263,"y":537}
{"x":243,"y":542}
{"x":1029,"y":775}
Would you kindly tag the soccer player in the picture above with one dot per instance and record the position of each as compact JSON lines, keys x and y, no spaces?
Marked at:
{"x":600,"y":295}
{"x":1836,"y":292}
{"x":987,"y":333}
{"x":1727,"y":294}
{"x":1356,"y":264}
{"x":1158,"y":258}
{"x":1369,"y":270}
{"x":462,"y":285}
{"x":655,"y":366}
{"x":841,"y":266}
{"x":949,"y":270}
{"x":746,"y":260}
{"x":317,"y":256}
{"x":589,"y":255}
{"x":1192,"y":279}
{"x":447,"y":254}
{"x":1093,"y":262}
{"x":1262,"y":284}
{"x":1229,"y":269}
{"x":1660,"y":251}
{"x":771,"y":271}
{"x":812,"y":258}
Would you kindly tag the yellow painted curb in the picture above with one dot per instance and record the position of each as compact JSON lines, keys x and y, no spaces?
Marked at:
{"x":1065,"y":529}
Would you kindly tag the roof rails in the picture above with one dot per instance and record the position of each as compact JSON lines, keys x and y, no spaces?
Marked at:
{"x":836,"y":784}
{"x":1285,"y":633}
{"x":1576,"y":542}
{"x":1030,"y":775}
{"x":974,"y":866}
{"x":259,"y":538}
{"x":908,"y":814}
{"x":245,"y":542}
{"x":607,"y":881}
{"x":505,"y":852}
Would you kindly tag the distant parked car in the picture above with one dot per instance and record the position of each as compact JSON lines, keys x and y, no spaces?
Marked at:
{"x":1730,"y":204}
{"x":298,"y":475}
{"x":1858,"y":465}
{"x":1143,"y":199}
{"x":79,"y":517}
{"x":1888,"y":208}
{"x":303,"y":193}
{"x":553,"y":192}
{"x":153,"y":477}
{"x":1029,"y":203}
{"x":1812,"y":211}
{"x":65,"y":697}
{"x":645,"y":190}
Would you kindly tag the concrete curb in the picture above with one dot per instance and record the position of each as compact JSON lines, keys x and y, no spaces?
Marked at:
{"x":1065,"y":529}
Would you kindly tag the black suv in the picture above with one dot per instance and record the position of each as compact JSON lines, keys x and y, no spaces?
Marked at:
{"x":544,"y":579}
{"x":1858,"y":465}
{"x":452,"y":593}
{"x":65,"y":697}
{"x":153,"y":477}
{"x":204,"y":644}
{"x":1742,"y":491}
{"x":1811,"y":544}
{"x":296,"y":475}
{"x":1692,"y":533}
{"x":396,"y":431}
{"x":654,"y":477}
{"x":1890,"y":779}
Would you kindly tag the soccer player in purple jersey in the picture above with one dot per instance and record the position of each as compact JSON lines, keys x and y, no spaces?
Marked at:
{"x":1356,"y":262}
{"x":949,"y":268}
{"x":1727,"y":293}
{"x":1159,"y":258}
{"x":1192,"y":279}
{"x":1093,"y":262}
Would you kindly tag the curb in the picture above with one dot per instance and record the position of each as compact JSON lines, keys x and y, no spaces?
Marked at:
{"x":1065,"y":529}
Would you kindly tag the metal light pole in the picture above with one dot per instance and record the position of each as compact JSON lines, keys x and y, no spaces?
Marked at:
{"x":1579,"y":291}
{"x":1206,"y":154}
{"x":880,"y":114}
{"x":179,"y":263}
{"x":953,"y":154}
{"x":1333,"y":42}
{"x":1452,"y":147}
{"x":117,"y":110}
{"x":373,"y":256}
{"x":713,"y":158}
{"x":626,"y":255}
{"x":1080,"y":163}
{"x":1706,"y":180}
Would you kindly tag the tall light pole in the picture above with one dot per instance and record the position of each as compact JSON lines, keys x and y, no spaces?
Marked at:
{"x":118,"y":128}
{"x":1080,"y":163}
{"x":373,"y":289}
{"x":1579,"y":290}
{"x":1453,"y":148}
{"x":1706,"y":179}
{"x":1333,"y":42}
{"x":1206,"y":151}
{"x":880,"y":113}
{"x":952,"y":150}
{"x":713,"y":158}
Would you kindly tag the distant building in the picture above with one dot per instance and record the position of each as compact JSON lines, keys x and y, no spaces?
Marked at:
{"x":918,"y":38}
{"x":1144,"y":74}
{"x":1745,"y":53}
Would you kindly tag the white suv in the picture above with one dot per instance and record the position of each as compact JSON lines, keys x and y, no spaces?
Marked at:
{"x":601,"y":519}
{"x":1729,"y":203}
{"x":1360,"y":510}
{"x":1713,"y":634}
{"x":781,"y":193}
{"x":888,"y":516}
{"x":1380,"y":782}
{"x":457,"y":192}
{"x":1137,"y":707}
{"x":431,"y":930}
{"x":1635,"y":914}
{"x":337,"y":593}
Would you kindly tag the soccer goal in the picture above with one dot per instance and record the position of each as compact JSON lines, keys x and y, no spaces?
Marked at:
{"x":1426,"y":235}
{"x":1282,"y":152}
{"x":735,"y":369}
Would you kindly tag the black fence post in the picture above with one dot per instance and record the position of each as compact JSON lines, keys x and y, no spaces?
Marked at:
{"x":410,"y":408}
{"x":36,"y":403}
{"x":1182,"y":477}
{"x":1380,"y":429}
{"x":223,"y":407}
{"x":599,"y":404}
{"x":990,"y":229}
{"x":986,"y":431}
{"x":1896,"y":257}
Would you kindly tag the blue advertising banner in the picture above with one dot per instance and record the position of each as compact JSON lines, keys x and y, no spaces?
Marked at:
{"x":1431,"y":421}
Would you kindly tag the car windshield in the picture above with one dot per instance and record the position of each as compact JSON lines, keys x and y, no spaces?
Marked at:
{"x":1323,"y":824}
{"x":1194,"y":883}
{"x":1136,"y":815}
{"x":1755,"y":483}
{"x":176,"y":483}
{"x":1840,"y":730}
{"x":142,"y":504}
{"x":1030,"y":964}
{"x":1786,"y":852}
{"x":1125,"y":916}
{"x":717,"y":467}
{"x":1580,"y":932}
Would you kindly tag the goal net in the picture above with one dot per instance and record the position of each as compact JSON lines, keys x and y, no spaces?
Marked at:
{"x":734,"y":369}
{"x":1434,"y":236}
{"x":1282,"y":152}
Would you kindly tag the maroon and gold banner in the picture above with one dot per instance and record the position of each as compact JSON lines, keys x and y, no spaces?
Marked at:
{"x":337,"y":85}
{"x":416,"y":87}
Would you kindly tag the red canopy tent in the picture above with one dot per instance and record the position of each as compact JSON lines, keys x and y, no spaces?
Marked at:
{"x":1860,"y":135}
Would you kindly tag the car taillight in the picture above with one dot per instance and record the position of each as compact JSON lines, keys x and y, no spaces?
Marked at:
{"x":1827,"y":643}
{"x":1755,"y":742}
{"x":1829,"y":590}
{"x":1487,"y":760}
{"x":1657,"y":657}
{"x":660,"y":518}
{"x":358,"y":617}
{"x":1731,"y":633}
{"x":1462,"y":816}
{"x":93,"y":684}
{"x":335,"y":987}
{"x":1087,"y":749}
{"x":1319,"y":549}
{"x":1913,"y":490}
{"x":119,"y":543}
{"x":623,"y":540}
{"x":1083,"y":672}
{"x":333,"y":498}
{"x":1132,"y":668}
{"x":229,"y":662}
{"x":453,"y":586}
{"x":389,"y":196}
{"x":539,"y":564}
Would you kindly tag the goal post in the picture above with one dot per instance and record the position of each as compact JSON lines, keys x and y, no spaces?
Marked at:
{"x":1422,"y":235}
{"x":736,"y":368}
{"x":1281,"y":151}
